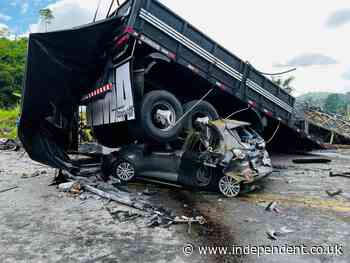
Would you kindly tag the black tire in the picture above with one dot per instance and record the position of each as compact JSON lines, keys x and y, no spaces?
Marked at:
{"x":149,"y":105}
{"x":107,"y":166}
{"x":203,"y":109}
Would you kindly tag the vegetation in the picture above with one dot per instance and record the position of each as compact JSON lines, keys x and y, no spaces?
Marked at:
{"x":8,"y":123}
{"x":12,"y":64}
{"x":46,"y":17}
{"x":285,"y":84}
{"x":329,"y":102}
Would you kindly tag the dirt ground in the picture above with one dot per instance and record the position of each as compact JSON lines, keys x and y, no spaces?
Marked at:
{"x":40,"y":224}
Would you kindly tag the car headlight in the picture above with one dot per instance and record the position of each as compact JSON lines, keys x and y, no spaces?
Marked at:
{"x":239,"y":154}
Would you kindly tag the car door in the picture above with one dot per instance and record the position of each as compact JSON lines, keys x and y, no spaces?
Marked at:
{"x":160,"y":165}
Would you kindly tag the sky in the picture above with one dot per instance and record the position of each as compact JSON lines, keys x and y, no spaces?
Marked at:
{"x":273,"y":35}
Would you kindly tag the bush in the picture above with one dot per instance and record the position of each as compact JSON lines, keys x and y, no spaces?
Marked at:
{"x":8,"y":123}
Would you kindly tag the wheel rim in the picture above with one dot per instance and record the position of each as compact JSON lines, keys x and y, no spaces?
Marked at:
{"x":125,"y":171}
{"x":203,"y":177}
{"x":229,"y":186}
{"x":163,"y":115}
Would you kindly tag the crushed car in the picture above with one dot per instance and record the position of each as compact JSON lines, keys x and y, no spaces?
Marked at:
{"x":220,"y":155}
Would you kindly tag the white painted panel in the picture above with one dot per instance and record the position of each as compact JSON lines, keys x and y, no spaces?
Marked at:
{"x":124,"y":108}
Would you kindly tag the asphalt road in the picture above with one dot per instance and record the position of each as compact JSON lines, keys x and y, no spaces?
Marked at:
{"x":40,"y":224}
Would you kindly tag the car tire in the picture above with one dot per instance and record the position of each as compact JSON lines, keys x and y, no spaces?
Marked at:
{"x":124,"y":171}
{"x":229,"y":186}
{"x":203,"y":109}
{"x":152,"y":127}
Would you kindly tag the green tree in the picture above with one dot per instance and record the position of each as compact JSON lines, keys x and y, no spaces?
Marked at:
{"x":285,"y":84}
{"x":335,"y":104}
{"x":46,"y":17}
{"x":12,"y":64}
{"x":4,"y":32}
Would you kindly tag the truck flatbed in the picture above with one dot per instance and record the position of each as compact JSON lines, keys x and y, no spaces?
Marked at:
{"x":162,"y":29}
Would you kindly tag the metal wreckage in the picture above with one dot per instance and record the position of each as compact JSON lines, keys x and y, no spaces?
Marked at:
{"x":220,"y":155}
{"x":155,"y":87}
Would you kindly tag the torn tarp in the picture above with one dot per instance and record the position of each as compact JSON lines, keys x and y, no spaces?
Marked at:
{"x":62,"y":66}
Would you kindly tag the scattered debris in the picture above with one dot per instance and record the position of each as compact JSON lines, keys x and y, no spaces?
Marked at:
{"x":8,"y":189}
{"x":157,"y":220}
{"x":272,"y":207}
{"x":280,"y":167}
{"x":190,"y":220}
{"x":284,"y":231}
{"x":155,"y":216}
{"x":123,"y":216}
{"x":333,"y":194}
{"x":311,"y":160}
{"x":273,"y":235}
{"x":84,"y":196}
{"x":149,"y":192}
{"x":8,"y":145}
{"x":35,"y":174}
{"x":251,"y":220}
{"x":66,"y":187}
{"x":345,"y":174}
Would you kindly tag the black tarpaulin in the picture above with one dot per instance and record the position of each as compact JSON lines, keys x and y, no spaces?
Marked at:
{"x":62,"y":66}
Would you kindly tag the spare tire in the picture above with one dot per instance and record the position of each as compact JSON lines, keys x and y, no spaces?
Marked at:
{"x":160,"y":110}
{"x":203,"y":109}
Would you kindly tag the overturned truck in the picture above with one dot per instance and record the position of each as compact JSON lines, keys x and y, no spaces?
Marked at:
{"x":145,"y":75}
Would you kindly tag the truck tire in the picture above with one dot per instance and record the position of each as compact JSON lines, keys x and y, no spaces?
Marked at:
{"x":159,"y":127}
{"x":203,"y":109}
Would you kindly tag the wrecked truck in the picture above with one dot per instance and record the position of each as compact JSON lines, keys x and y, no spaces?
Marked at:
{"x":220,"y":155}
{"x":145,"y":76}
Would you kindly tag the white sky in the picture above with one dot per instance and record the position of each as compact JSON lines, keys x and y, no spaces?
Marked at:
{"x":265,"y":33}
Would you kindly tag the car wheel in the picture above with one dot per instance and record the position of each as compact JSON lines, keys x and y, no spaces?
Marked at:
{"x":203,"y":176}
{"x":202,"y":110}
{"x":124,"y":171}
{"x":160,"y":110}
{"x":229,"y":186}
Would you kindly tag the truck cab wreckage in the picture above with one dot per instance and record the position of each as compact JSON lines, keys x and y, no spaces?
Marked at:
{"x":147,"y":79}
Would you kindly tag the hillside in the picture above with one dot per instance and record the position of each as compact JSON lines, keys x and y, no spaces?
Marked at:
{"x":330,"y":102}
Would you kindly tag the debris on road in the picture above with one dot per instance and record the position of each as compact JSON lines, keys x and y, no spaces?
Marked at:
{"x":35,"y":174}
{"x":155,"y":216}
{"x":345,"y":174}
{"x":8,"y":145}
{"x":189,"y":220}
{"x":284,"y":231}
{"x":311,"y":160}
{"x":333,"y":194}
{"x":123,"y":216}
{"x":70,"y":187}
{"x":273,"y":235}
{"x":184,"y":219}
{"x":149,"y":192}
{"x":272,"y":207}
{"x":8,"y":189}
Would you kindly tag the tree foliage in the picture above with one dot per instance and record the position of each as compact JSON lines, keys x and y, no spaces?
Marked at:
{"x":46,"y":17}
{"x":285,"y":84}
{"x":335,"y":103}
{"x":12,"y":64}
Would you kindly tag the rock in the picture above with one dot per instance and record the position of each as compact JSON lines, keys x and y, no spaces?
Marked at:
{"x":272,"y":207}
{"x":66,"y":187}
{"x":271,"y":234}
